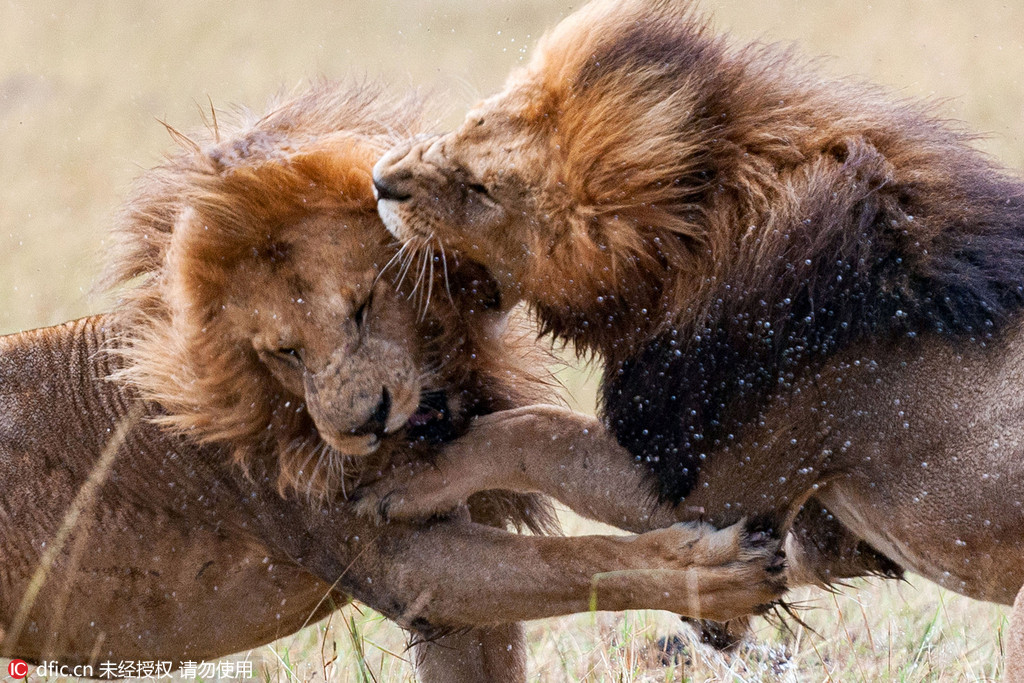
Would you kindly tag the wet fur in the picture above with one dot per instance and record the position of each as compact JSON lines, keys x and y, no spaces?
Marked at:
{"x":715,"y":221}
{"x":158,"y":507}
{"x":794,"y":219}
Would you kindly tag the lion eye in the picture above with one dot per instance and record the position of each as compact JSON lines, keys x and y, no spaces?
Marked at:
{"x":289,"y":355}
{"x":478,"y":188}
{"x":360,"y":315}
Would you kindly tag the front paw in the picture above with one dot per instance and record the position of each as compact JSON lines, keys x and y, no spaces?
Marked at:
{"x":409,"y":494}
{"x":730,"y":572}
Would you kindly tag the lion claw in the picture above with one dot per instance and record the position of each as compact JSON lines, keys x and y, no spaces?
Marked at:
{"x":367,"y":504}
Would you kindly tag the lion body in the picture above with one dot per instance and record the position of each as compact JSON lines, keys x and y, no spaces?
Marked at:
{"x":801,"y":289}
{"x":167,"y":561}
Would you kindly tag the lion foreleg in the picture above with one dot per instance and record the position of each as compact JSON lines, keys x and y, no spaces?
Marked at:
{"x":495,"y":653}
{"x":452,"y":575}
{"x":536,"y":449}
{"x":1014,"y":672}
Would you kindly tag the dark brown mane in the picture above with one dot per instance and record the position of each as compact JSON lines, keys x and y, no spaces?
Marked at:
{"x":760,"y":218}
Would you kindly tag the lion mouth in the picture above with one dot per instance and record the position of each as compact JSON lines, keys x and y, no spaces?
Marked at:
{"x":432,"y":421}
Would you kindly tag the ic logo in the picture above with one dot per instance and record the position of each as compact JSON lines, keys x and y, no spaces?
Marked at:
{"x":18,"y":668}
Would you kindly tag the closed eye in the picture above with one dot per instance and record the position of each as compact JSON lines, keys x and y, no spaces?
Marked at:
{"x":289,"y":355}
{"x":360,"y":313}
{"x":479,"y":192}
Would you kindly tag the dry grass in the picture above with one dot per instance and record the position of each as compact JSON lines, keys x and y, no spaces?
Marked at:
{"x":81,"y":87}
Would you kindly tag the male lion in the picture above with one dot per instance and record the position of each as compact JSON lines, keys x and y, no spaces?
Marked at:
{"x":807,"y":296}
{"x":258,"y":352}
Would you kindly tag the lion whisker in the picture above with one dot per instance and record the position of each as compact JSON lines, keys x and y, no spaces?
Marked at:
{"x":444,"y":269}
{"x":432,"y":255}
{"x":422,"y":251}
{"x":424,"y":264}
{"x":407,"y":264}
{"x":391,"y":262}
{"x":321,"y":450}
{"x":305,"y":445}
{"x":341,"y":476}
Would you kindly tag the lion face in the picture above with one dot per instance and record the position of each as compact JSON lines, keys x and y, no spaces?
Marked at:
{"x":328,"y":329}
{"x":573,"y":183}
{"x":262,"y":315}
{"x":486,"y":191}
{"x":304,"y":313}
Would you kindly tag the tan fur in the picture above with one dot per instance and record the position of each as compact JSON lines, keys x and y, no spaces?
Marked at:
{"x":803,"y":287}
{"x":176,"y":481}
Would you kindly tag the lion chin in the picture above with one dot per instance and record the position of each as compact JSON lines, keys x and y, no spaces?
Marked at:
{"x":804,"y":290}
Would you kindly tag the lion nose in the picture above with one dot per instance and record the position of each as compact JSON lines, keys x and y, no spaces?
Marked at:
{"x":385,"y":191}
{"x":393,"y":173}
{"x":379,"y":419}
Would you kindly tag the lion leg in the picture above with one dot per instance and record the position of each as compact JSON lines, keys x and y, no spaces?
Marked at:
{"x":450,"y":575}
{"x":494,"y":653}
{"x":489,"y":653}
{"x":537,"y":449}
{"x":1014,"y":670}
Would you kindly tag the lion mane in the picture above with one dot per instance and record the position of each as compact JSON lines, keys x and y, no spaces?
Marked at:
{"x":754,"y":219}
{"x":311,"y":154}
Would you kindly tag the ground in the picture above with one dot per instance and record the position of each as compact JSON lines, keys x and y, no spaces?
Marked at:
{"x":82,"y":86}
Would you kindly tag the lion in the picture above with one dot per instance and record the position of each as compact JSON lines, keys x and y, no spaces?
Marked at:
{"x":176,"y":470}
{"x":806,"y":295}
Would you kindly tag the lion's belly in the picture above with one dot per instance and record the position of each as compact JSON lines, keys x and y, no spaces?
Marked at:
{"x":978,"y":555}
{"x":928,"y":465}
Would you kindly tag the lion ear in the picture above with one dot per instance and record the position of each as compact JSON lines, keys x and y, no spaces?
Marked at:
{"x":183,"y":271}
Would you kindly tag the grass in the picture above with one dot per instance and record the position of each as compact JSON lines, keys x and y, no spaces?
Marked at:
{"x":81,"y":88}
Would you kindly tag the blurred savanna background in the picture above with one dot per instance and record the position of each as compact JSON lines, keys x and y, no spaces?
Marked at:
{"x":83,"y":87}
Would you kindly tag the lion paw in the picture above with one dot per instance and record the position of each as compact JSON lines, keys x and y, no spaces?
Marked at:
{"x":416,"y":491}
{"x":723,"y":574}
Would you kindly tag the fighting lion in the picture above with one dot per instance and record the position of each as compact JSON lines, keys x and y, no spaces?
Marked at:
{"x":806,"y":295}
{"x":176,"y":470}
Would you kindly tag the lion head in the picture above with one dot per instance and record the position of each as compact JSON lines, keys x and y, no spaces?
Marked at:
{"x":711,"y":218}
{"x":576,"y":186}
{"x":641,"y":172}
{"x":261,"y":313}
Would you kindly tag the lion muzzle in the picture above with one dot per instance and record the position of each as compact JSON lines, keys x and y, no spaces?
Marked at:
{"x":360,"y":397}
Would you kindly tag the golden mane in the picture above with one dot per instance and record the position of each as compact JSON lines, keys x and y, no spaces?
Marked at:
{"x":312,"y":148}
{"x":686,"y":160}
{"x":221,"y":198}
{"x":310,"y":154}
{"x":712,"y":217}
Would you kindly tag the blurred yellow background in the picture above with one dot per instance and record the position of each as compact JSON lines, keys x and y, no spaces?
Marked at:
{"x":82,"y":86}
